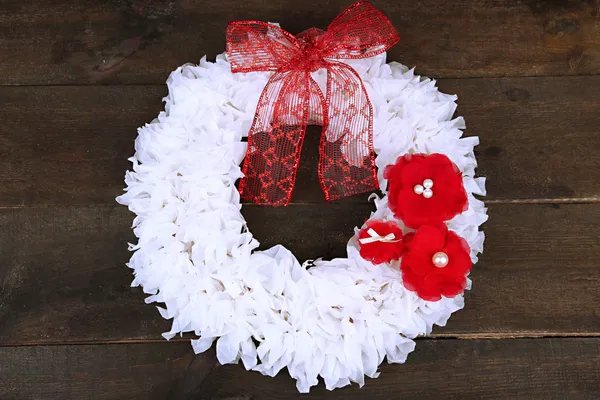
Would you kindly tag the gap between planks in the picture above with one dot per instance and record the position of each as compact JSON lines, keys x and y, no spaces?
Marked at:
{"x":438,"y":336}
{"x":566,"y":200}
{"x":436,"y":78}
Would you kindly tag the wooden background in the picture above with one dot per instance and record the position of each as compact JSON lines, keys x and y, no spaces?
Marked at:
{"x":78,"y":76}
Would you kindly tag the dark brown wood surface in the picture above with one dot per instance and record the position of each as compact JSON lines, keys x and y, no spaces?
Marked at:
{"x":544,"y":369}
{"x":78,"y":76}
{"x":131,"y":41}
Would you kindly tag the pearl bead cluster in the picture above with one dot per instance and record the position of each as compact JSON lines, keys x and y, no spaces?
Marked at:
{"x":425,"y":188}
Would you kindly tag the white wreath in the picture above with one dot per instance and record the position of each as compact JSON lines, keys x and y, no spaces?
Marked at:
{"x":337,"y":319}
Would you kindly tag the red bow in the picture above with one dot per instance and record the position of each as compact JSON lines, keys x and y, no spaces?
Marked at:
{"x":347,"y":160}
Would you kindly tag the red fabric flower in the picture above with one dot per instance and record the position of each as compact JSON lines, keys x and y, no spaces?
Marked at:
{"x":425,"y":189}
{"x":430,"y":244}
{"x":380,"y":251}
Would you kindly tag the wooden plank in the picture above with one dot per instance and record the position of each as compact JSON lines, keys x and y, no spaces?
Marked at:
{"x":450,"y":369}
{"x":145,"y":371}
{"x":63,"y":276}
{"x":63,"y":279}
{"x":90,"y":41}
{"x":547,"y":368}
{"x":69,"y":145}
{"x":531,"y":129}
{"x":537,"y":135}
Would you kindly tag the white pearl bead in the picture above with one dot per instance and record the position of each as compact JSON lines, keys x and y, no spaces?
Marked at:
{"x":427,"y":193}
{"x":440,"y":259}
{"x":418,"y":189}
{"x":428,"y":183}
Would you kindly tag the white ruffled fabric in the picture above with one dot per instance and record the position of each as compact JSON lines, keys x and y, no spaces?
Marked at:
{"x":338,"y":319}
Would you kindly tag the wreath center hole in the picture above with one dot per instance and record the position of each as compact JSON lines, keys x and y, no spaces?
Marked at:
{"x":309,"y":226}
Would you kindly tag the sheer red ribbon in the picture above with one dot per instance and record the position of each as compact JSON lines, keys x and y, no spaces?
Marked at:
{"x":292,"y":99}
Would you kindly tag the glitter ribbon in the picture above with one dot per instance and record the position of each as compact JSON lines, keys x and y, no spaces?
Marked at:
{"x":292,"y":99}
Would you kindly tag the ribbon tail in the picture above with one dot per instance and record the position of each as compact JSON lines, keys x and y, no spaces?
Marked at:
{"x":347,"y":159}
{"x":275,"y":139}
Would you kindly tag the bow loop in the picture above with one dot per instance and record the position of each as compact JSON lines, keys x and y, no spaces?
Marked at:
{"x":292,"y":99}
{"x":361,"y":31}
{"x":259,"y":46}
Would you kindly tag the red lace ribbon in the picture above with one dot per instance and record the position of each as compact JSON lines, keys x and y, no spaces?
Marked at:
{"x":292,"y":99}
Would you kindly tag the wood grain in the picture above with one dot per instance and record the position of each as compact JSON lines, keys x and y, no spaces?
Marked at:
{"x":537,"y":136}
{"x":63,"y":278}
{"x":69,"y":145}
{"x":450,"y":369}
{"x":78,"y":76}
{"x":545,"y":369}
{"x":147,"y":371}
{"x":94,"y":41}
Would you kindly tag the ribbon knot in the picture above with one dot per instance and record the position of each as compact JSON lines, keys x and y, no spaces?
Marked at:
{"x":310,"y":60}
{"x":292,"y":99}
{"x":312,"y":57}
